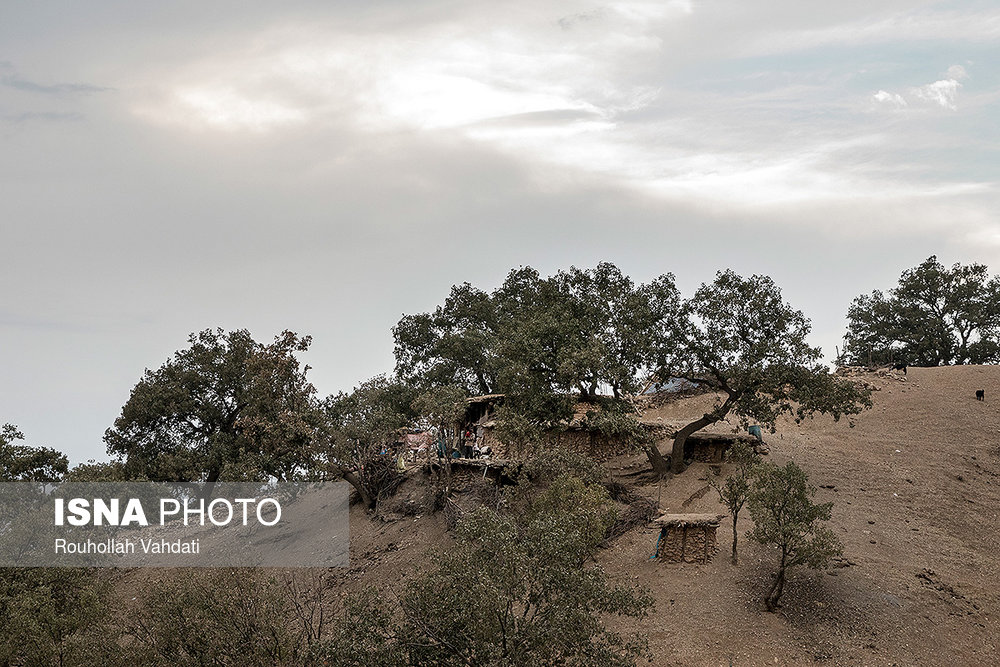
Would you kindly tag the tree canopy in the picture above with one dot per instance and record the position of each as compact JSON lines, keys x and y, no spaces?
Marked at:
{"x":454,"y":345}
{"x":358,"y":427}
{"x":935,"y":316}
{"x":543,"y":342}
{"x":225,"y":407}
{"x":738,"y":336}
{"x":594,"y":335}
{"x":785,"y":517}
{"x":24,"y":463}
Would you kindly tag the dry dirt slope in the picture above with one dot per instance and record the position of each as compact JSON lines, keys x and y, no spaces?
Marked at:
{"x":916,"y":491}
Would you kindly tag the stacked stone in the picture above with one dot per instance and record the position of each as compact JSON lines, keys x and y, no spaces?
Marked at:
{"x":687,"y":538}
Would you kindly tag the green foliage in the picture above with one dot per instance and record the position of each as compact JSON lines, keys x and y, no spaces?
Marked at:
{"x":523,"y":436}
{"x":226,"y":400}
{"x":735,"y":490}
{"x":358,"y":429}
{"x":617,"y":420}
{"x":740,"y":337}
{"x":539,"y":341}
{"x":513,"y":591}
{"x":364,"y":635}
{"x":454,"y":345}
{"x":588,"y":506}
{"x":371,"y":414}
{"x":442,"y":405}
{"x":238,"y":617}
{"x":99,"y":471}
{"x":55,"y":616}
{"x":22,"y":463}
{"x":554,"y":462}
{"x":934,"y":316}
{"x":577,"y":331}
{"x":785,"y":517}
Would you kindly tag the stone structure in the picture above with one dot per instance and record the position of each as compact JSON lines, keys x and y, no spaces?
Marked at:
{"x":687,"y":538}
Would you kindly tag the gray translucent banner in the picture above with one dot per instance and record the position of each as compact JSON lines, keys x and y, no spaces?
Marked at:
{"x":150,"y":524}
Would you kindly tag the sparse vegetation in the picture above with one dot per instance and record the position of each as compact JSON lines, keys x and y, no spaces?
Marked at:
{"x":55,"y":616}
{"x":515,"y":590}
{"x":785,"y":517}
{"x":514,"y":575}
{"x":734,"y":491}
{"x":229,"y":617}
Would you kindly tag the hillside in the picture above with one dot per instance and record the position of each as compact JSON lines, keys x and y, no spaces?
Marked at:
{"x":916,"y":500}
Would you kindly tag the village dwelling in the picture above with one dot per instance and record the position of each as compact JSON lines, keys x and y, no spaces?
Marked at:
{"x":480,"y":423}
{"x":687,"y":538}
{"x":480,"y":419}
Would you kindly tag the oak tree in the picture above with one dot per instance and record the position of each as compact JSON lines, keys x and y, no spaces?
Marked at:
{"x":739,"y":337}
{"x":226,"y":407}
{"x":359,"y":429}
{"x":934,"y":316}
{"x":24,"y":463}
{"x":734,"y":491}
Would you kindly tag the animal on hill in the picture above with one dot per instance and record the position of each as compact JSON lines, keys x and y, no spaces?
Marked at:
{"x":900,"y":367}
{"x":980,"y":394}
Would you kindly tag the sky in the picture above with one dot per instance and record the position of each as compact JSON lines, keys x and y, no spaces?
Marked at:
{"x":326,"y":167}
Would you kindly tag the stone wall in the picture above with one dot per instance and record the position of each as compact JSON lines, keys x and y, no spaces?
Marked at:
{"x":687,"y":544}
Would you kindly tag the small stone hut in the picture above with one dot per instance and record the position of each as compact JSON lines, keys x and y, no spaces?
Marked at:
{"x":687,"y":538}
{"x":712,"y":447}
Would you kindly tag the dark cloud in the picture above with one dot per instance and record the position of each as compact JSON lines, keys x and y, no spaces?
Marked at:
{"x":571,"y":21}
{"x":50,"y":89}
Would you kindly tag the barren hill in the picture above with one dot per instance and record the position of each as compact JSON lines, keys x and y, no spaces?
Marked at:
{"x":916,"y":489}
{"x":917,"y":505}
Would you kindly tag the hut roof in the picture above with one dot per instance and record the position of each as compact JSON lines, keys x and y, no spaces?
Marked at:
{"x":485,"y":398}
{"x":682,"y":520}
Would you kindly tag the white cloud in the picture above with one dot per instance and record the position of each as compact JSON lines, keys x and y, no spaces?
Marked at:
{"x":893,"y":99}
{"x":957,"y":72}
{"x":941,"y":92}
{"x":583,"y":89}
{"x":231,"y":110}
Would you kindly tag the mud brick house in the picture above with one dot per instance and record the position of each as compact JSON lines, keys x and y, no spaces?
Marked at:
{"x":687,"y":538}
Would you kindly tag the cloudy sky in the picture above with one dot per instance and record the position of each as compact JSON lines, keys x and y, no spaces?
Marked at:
{"x":326,"y":167}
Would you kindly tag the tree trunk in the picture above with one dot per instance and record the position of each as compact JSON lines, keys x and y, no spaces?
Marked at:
{"x":483,"y":387}
{"x":677,"y":455}
{"x":210,"y":481}
{"x":771,"y":602}
{"x":354,"y":481}
{"x":656,"y":460}
{"x":736,"y":559}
